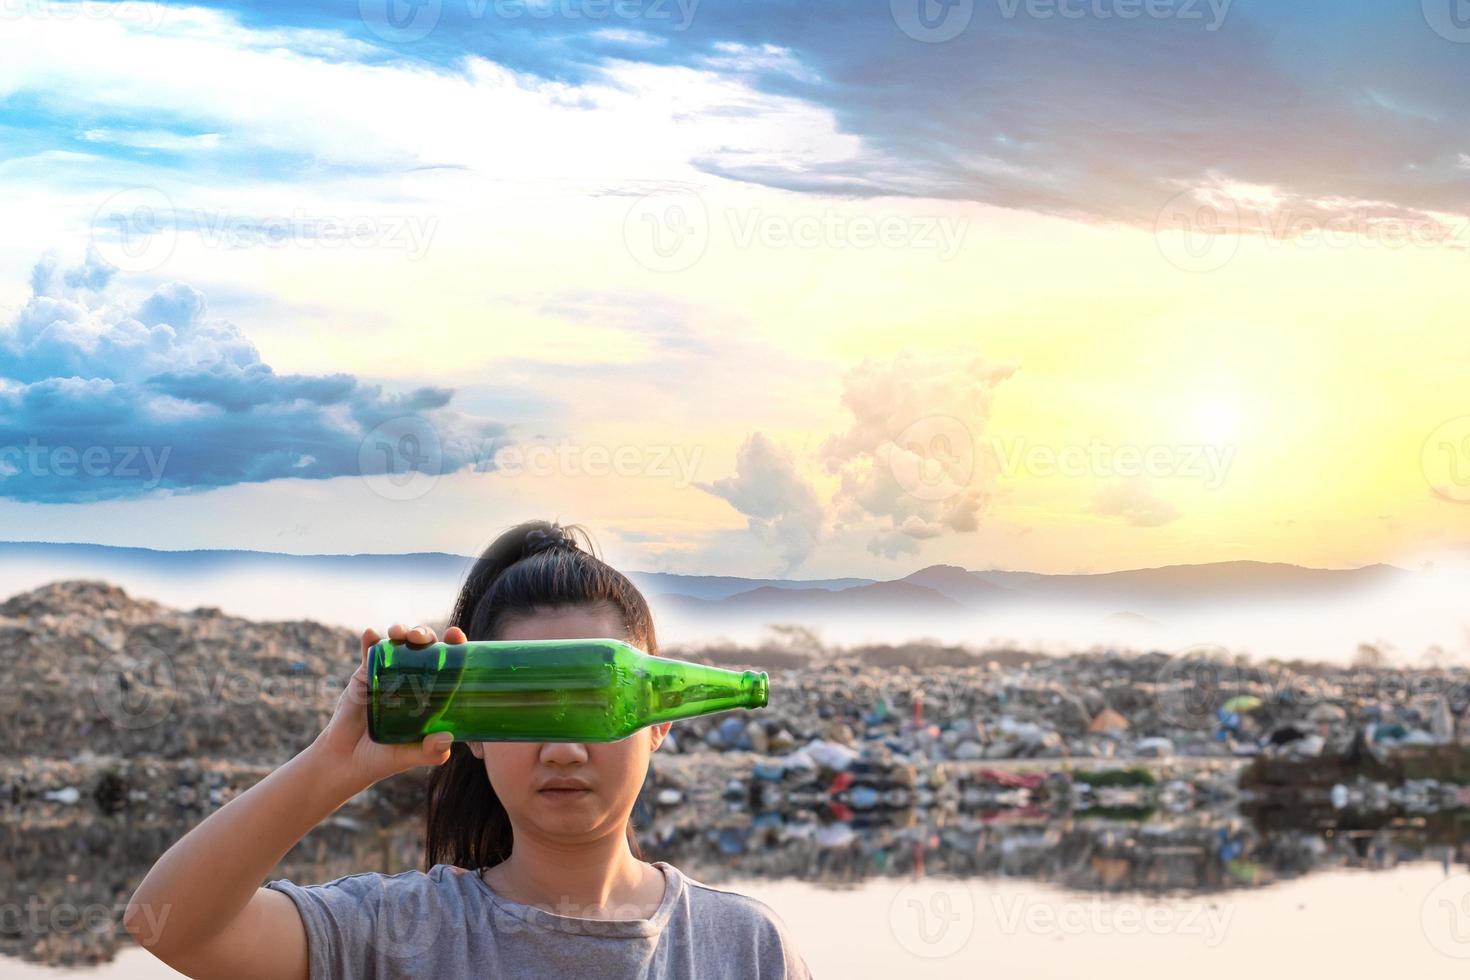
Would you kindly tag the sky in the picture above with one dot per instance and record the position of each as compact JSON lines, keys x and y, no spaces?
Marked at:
{"x":753,"y":288}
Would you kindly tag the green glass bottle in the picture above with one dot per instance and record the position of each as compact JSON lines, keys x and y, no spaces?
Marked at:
{"x":583,"y":690}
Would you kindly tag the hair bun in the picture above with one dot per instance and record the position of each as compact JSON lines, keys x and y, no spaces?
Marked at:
{"x":541,"y":539}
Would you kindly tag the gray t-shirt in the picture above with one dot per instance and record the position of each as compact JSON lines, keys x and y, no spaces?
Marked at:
{"x":448,"y":923}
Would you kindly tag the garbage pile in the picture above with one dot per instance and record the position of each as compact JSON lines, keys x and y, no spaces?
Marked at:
{"x":1095,"y":705}
{"x":97,"y":671}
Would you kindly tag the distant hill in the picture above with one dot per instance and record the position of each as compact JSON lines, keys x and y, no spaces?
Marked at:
{"x":767,"y":600}
{"x":960,"y":584}
{"x":1214,"y":582}
{"x":1263,"y":606}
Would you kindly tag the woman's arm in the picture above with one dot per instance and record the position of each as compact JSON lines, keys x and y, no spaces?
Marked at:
{"x":201,"y":908}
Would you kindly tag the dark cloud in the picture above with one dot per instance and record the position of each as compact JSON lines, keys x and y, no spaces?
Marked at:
{"x":100,"y":400}
{"x":1344,"y":108}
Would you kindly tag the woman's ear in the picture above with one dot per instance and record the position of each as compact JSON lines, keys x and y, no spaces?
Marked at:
{"x":656,"y":734}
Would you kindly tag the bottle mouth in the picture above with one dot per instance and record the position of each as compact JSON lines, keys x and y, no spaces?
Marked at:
{"x":758,"y":686}
{"x":373,"y":728}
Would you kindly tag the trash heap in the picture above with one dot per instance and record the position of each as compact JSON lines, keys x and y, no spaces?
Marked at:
{"x":1104,"y":705}
{"x":98,"y":676}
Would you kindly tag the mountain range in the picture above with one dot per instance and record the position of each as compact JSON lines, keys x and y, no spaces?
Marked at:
{"x":1255,"y":604}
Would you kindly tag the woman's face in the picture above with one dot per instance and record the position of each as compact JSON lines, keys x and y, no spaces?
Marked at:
{"x":612,"y":771}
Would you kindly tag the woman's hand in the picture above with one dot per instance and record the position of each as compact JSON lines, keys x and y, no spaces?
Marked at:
{"x":344,"y":744}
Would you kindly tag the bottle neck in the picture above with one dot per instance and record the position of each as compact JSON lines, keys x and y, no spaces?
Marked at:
{"x":703,"y":690}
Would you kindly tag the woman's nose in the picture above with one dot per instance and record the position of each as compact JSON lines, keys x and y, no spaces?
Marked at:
{"x":563,"y":753}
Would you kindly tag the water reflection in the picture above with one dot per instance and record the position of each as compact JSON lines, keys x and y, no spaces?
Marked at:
{"x":69,"y":869}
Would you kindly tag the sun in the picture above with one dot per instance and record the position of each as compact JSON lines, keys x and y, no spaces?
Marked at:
{"x":1220,"y":418}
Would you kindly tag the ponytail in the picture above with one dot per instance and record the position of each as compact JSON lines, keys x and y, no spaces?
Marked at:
{"x":531,"y":567}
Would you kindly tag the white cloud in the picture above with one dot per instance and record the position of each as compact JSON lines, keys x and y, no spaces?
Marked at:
{"x":908,"y":462}
{"x":301,"y":92}
{"x":1134,"y":503}
{"x":779,"y":504}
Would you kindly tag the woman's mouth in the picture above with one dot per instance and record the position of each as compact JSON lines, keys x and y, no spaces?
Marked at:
{"x":562,"y":788}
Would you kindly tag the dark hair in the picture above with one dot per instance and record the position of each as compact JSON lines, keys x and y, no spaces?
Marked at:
{"x":532,"y":567}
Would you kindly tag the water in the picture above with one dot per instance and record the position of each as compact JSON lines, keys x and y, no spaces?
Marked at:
{"x":1202,"y":894}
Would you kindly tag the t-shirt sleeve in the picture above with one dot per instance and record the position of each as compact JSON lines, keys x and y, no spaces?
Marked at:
{"x":748,"y":929}
{"x":366,"y":926}
{"x":779,"y":956}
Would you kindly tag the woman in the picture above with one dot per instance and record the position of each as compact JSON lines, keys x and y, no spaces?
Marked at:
{"x":534,"y":870}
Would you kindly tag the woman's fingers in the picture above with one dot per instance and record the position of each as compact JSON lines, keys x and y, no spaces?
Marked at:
{"x":432,"y":751}
{"x":369,"y":637}
{"x":454,"y":635}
